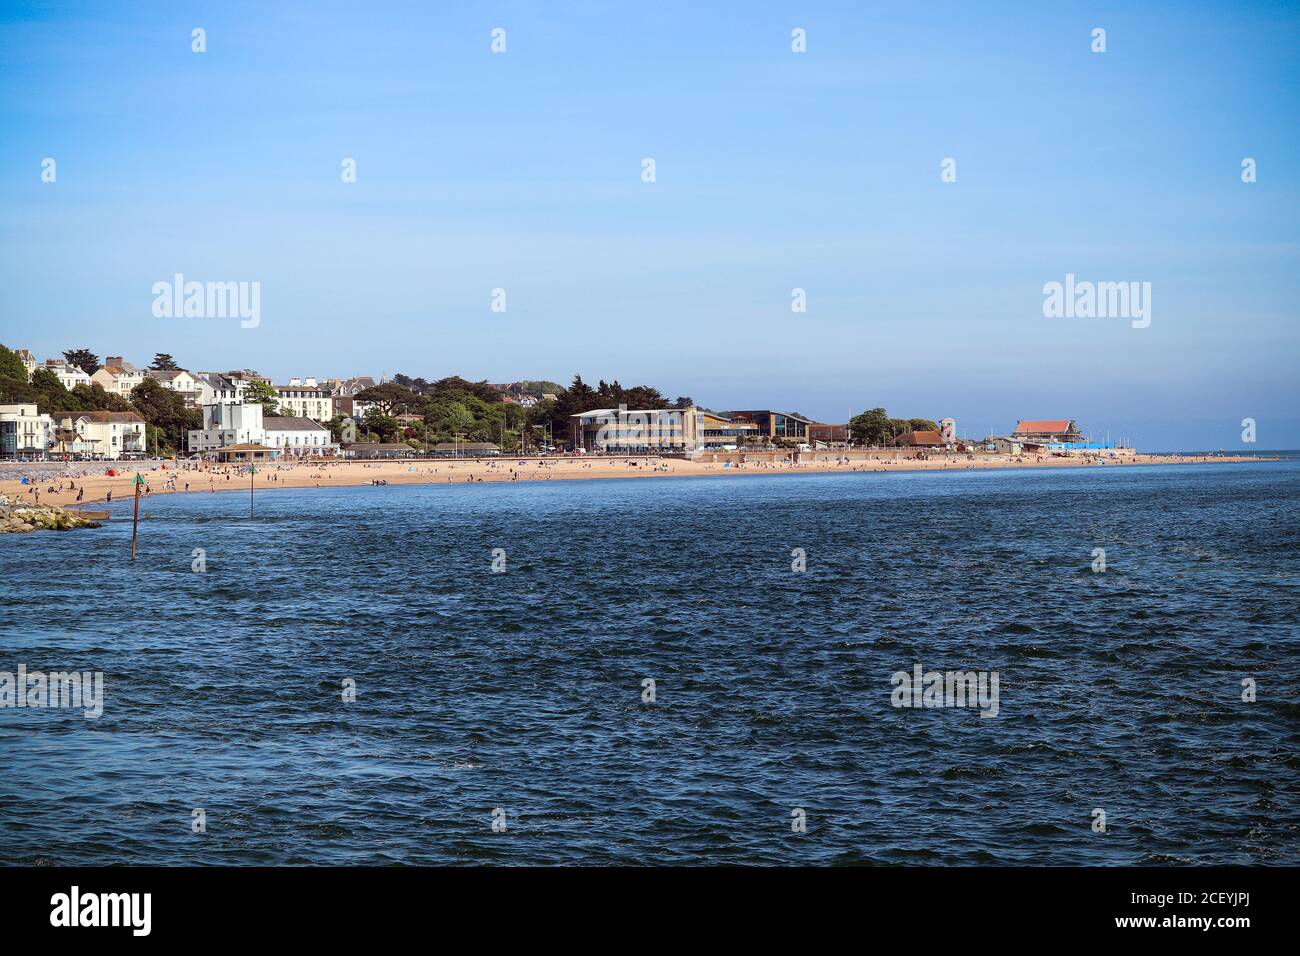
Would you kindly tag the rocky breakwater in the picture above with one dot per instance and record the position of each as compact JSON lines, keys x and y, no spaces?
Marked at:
{"x":19,"y":518}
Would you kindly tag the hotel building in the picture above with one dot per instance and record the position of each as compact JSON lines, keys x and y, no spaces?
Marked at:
{"x":303,"y":398}
{"x":24,"y":434}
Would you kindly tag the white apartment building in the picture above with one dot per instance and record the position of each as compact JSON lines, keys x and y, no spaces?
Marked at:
{"x":227,"y":423}
{"x":181,"y":382}
{"x":24,"y":434}
{"x":69,"y":376}
{"x":217,"y":387}
{"x":97,"y":434}
{"x":118,"y":376}
{"x":237,"y":423}
{"x":303,"y":398}
{"x":298,"y":436}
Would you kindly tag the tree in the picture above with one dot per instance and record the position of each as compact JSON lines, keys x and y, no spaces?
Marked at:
{"x":258,"y":391}
{"x":92,"y":397}
{"x":389,"y":398}
{"x":165,"y":410}
{"x":83,"y":359}
{"x":683,"y":401}
{"x":454,"y":388}
{"x":870,"y":428}
{"x":539,"y":387}
{"x":343,"y":428}
{"x":164,"y":362}
{"x":48,"y":383}
{"x":11,"y":366}
{"x":417,"y":385}
{"x":874,"y":427}
{"x":384,"y":426}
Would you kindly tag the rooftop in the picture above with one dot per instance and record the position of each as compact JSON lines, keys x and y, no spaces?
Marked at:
{"x":103,"y":418}
{"x":291,"y":423}
{"x":1046,"y":425}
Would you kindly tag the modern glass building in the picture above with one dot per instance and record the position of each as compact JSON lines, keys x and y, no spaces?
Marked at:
{"x":776,"y":425}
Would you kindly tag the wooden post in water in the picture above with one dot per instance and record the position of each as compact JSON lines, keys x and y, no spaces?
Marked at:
{"x":135,"y":518}
{"x":252,"y":469}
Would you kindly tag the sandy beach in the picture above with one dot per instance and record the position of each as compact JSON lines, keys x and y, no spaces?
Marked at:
{"x":86,"y":483}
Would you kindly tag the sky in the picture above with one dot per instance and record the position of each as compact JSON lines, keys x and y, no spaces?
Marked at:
{"x":773,"y":171}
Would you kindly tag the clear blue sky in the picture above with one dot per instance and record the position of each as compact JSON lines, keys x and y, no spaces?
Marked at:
{"x":775,"y":170}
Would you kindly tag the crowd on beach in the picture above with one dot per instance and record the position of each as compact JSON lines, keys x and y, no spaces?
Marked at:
{"x":81,"y":483}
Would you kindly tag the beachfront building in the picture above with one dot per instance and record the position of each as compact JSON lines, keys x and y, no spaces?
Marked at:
{"x":633,"y":431}
{"x":69,"y":376}
{"x":226,"y":424}
{"x":118,"y":376}
{"x":298,"y":437}
{"x":377,"y":449}
{"x":181,"y":382}
{"x":1048,"y":430}
{"x":776,"y":426}
{"x":719,"y":432}
{"x":921,"y":439}
{"x":304,"y":398}
{"x":99,"y":434}
{"x":654,"y":430}
{"x":465,"y":449}
{"x":829,"y":436}
{"x":246,"y":451}
{"x":1007,"y":445}
{"x":25,"y":434}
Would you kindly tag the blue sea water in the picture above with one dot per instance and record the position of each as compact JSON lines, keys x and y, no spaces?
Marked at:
{"x":523,"y":690}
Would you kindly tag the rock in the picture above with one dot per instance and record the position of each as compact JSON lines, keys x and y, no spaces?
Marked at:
{"x":20,"y":521}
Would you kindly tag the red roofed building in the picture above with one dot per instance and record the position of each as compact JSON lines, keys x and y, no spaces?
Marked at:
{"x":1056,"y":429}
{"x":923,"y":439}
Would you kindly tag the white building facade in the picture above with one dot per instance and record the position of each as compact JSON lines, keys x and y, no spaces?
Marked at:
{"x":303,"y":398}
{"x":239,"y":423}
{"x":179,"y":381}
{"x":218,"y":388}
{"x":96,"y":434}
{"x":227,"y":423}
{"x":296,"y":436}
{"x":69,"y":376}
{"x":25,"y":435}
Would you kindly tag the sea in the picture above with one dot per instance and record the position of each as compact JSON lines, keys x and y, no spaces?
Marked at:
{"x":669,"y":671}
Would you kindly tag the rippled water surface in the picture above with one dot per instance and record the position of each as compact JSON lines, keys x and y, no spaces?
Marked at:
{"x":523,"y":691}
